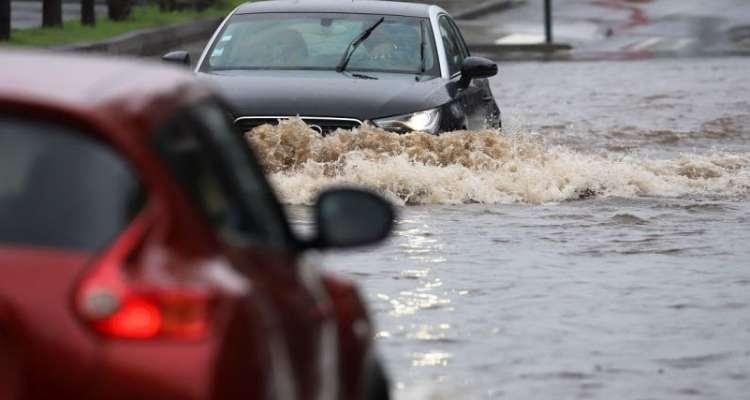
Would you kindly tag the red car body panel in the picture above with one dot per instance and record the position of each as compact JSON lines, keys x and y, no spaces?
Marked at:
{"x":271,"y":321}
{"x":37,"y":301}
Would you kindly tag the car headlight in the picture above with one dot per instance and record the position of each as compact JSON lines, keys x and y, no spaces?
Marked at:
{"x":422,"y":121}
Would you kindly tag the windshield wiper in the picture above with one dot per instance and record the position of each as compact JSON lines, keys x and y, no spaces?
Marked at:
{"x":422,"y":45}
{"x":355,"y":43}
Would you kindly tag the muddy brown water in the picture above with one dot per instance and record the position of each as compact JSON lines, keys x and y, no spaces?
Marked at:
{"x":597,"y":248}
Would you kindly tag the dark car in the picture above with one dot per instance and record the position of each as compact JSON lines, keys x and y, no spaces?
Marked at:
{"x":401,"y":66}
{"x":143,"y":254}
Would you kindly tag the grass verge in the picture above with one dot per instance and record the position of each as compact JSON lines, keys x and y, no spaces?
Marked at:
{"x":142,"y":17}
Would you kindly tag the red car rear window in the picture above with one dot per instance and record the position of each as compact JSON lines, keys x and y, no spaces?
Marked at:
{"x":60,"y":188}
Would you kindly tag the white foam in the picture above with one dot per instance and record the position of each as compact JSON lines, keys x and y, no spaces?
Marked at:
{"x":483,"y":167}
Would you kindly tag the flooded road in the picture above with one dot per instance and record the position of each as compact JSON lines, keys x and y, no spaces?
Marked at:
{"x":597,"y":249}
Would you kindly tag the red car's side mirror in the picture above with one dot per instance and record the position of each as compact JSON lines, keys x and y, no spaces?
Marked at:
{"x":350,"y":218}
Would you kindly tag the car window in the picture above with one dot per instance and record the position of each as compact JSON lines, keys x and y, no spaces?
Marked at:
{"x":463,"y":49}
{"x":451,"y":44}
{"x":317,"y":41}
{"x":213,"y":163}
{"x":61,"y":188}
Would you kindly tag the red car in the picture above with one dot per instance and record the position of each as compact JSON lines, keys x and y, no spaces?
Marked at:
{"x":143,"y":254}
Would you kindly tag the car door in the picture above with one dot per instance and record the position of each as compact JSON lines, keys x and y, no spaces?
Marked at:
{"x":488,"y":115}
{"x":254,"y":232}
{"x":471,"y":98}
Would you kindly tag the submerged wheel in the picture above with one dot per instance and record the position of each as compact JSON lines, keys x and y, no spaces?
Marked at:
{"x":497,"y":118}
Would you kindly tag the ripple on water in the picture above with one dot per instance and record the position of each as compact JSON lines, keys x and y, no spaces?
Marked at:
{"x":690,"y":362}
{"x":738,"y":376}
{"x":627,"y":219}
{"x":564,"y":375}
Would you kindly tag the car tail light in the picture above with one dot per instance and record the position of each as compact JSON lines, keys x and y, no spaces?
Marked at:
{"x":137,"y":319}
{"x":117,"y":306}
{"x":177,"y":314}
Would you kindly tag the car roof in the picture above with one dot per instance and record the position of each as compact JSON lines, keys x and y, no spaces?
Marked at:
{"x":95,"y":86}
{"x":340,"y":6}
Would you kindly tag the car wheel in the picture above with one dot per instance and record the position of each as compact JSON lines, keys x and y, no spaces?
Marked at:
{"x":378,"y":385}
{"x":496,"y":118}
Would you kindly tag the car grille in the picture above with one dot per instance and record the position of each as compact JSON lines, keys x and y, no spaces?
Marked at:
{"x":323,"y":125}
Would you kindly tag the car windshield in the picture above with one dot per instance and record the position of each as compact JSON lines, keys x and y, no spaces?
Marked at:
{"x":319,"y":41}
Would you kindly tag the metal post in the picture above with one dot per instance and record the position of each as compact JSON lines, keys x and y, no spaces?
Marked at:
{"x":548,"y":20}
{"x":4,"y":19}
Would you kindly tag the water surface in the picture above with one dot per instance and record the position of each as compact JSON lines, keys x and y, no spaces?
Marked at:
{"x":597,"y":248}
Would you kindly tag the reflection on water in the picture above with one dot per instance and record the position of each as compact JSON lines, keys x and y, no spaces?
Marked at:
{"x":409,"y":302}
{"x":431,"y":359}
{"x":429,"y":332}
{"x":600,"y":298}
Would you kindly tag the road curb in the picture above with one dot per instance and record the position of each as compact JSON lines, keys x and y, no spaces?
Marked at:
{"x":487,"y":7}
{"x":152,"y":41}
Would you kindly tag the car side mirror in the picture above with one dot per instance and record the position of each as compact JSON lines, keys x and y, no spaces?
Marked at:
{"x":476,"y":68}
{"x":351,"y":218}
{"x":181,"y":57}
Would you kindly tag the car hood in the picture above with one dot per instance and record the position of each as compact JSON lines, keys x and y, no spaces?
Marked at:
{"x":326,"y":93}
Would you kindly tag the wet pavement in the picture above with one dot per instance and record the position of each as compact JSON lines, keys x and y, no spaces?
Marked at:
{"x":623,"y":29}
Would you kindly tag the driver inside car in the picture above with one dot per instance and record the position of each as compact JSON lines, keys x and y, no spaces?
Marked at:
{"x":388,"y":47}
{"x":381,"y":46}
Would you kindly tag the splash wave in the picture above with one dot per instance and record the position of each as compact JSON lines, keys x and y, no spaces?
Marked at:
{"x":479,"y":167}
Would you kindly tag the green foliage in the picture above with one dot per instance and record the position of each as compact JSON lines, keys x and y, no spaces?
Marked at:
{"x":147,"y":16}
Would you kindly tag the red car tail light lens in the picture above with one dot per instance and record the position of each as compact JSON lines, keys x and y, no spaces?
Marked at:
{"x":169,"y":314}
{"x":135,"y":319}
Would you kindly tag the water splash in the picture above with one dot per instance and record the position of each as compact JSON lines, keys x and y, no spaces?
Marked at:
{"x":480,"y":167}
